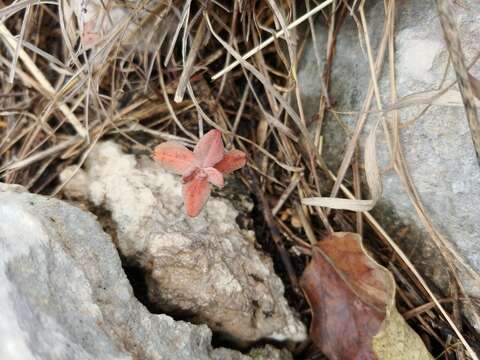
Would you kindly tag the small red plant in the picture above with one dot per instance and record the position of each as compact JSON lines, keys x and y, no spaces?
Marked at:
{"x":206,"y":164}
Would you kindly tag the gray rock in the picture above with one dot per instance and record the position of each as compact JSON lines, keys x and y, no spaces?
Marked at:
{"x":437,"y":146}
{"x":205,"y":268}
{"x":64,"y":295}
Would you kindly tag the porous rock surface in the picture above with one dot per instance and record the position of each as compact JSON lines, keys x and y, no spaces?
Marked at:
{"x":438,"y":147}
{"x":64,"y":295}
{"x":204,"y":268}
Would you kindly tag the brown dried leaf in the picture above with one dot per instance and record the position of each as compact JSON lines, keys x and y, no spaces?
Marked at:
{"x":353,"y":304}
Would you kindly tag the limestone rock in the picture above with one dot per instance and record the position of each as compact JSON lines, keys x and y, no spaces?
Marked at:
{"x":64,"y":294}
{"x":205,"y":268}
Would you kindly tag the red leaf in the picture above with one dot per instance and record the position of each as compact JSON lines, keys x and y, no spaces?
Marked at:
{"x":214,"y":176}
{"x":233,"y":160}
{"x":174,"y":157}
{"x":195,"y":195}
{"x":190,"y":174}
{"x":348,"y":293}
{"x":209,"y":149}
{"x":197,"y":167}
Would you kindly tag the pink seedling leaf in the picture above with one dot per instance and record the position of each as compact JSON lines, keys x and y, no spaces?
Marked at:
{"x":195,"y":195}
{"x":190,"y":174}
{"x":233,"y":160}
{"x":206,"y":164}
{"x":214,"y":176}
{"x":209,"y":149}
{"x":174,"y":157}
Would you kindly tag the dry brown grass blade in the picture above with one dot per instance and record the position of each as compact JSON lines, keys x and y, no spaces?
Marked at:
{"x":183,"y":18}
{"x":188,"y":66}
{"x":13,"y":66}
{"x":264,"y":81}
{"x":475,"y":84}
{"x":450,"y":31}
{"x":373,"y":181}
{"x":349,"y":152}
{"x":273,"y":229}
{"x":271,"y":39}
{"x":40,"y":155}
{"x":272,"y":120}
{"x":13,"y":8}
{"x":371,"y":167}
{"x":293,"y":184}
{"x":445,"y":97}
{"x":42,"y":80}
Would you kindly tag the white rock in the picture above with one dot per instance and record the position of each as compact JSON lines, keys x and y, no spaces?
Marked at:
{"x":203,"y":267}
{"x":64,"y":295}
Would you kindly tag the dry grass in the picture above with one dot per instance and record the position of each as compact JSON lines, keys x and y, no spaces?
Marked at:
{"x":232,"y":67}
